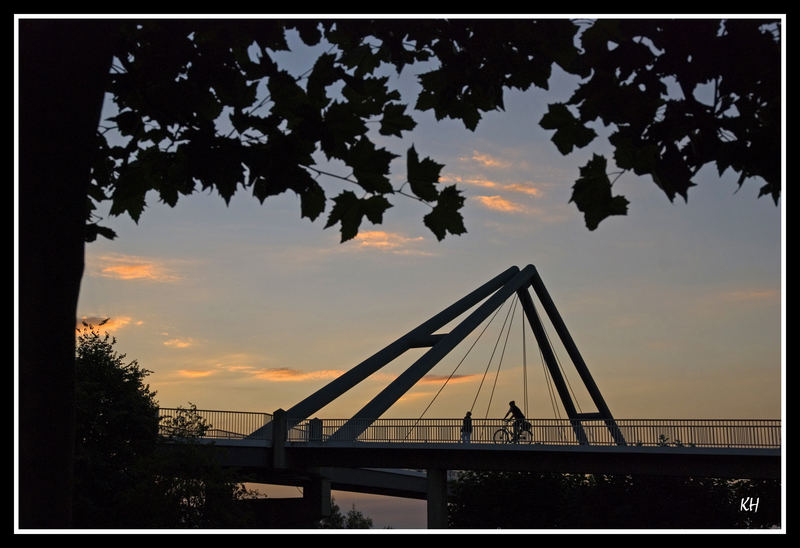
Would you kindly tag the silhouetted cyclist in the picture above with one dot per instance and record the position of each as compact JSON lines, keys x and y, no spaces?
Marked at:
{"x":519,"y":418}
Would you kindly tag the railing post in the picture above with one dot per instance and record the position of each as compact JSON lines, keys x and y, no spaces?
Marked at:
{"x":315,"y":429}
{"x":279,"y":439}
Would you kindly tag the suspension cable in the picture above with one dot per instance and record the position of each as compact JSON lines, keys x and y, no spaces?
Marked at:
{"x":456,"y":369}
{"x":490,"y":360}
{"x":500,"y":361}
{"x":524,"y":367}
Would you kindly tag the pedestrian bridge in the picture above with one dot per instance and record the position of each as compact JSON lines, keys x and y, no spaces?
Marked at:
{"x":295,"y":446}
{"x":382,"y":458}
{"x":743,"y":448}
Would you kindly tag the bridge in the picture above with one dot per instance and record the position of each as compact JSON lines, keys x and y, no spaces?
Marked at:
{"x":388,"y":455}
{"x":372,"y":454}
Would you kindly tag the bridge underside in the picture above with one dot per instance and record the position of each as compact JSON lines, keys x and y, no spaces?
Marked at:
{"x":387,"y":482}
{"x":721,"y":463}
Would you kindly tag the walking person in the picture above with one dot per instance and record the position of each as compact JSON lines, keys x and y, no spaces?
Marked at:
{"x":466,"y":427}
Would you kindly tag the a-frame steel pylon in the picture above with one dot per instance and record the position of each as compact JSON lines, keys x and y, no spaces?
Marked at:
{"x":498,"y":290}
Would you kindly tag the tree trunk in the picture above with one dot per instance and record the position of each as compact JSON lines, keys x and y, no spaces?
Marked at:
{"x":63,"y":66}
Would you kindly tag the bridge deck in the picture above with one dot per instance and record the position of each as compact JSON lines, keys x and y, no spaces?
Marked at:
{"x":699,"y":461}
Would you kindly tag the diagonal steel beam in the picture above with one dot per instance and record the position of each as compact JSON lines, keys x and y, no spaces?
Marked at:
{"x":380,"y":403}
{"x":575,"y":355}
{"x":551,"y":362}
{"x":422,"y":335}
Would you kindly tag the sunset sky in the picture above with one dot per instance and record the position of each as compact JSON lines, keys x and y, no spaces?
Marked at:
{"x":676,"y":307}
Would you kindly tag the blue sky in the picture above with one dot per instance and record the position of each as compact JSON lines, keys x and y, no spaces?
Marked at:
{"x":676,"y":307}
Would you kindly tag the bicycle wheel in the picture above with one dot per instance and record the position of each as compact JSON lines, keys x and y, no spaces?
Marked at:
{"x":525,"y":436}
{"x":501,"y":436}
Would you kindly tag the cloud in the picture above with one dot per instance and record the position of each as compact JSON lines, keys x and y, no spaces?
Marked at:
{"x":195,"y":374}
{"x":437,"y":379}
{"x":390,"y":242}
{"x":525,"y":188}
{"x":488,"y":161}
{"x":285,"y":374}
{"x":179,"y":343}
{"x":751,"y":295}
{"x":129,"y":267}
{"x":475,"y":181}
{"x":409,"y":397}
{"x":498,"y":203}
{"x":248,"y":366}
{"x":105,"y":323}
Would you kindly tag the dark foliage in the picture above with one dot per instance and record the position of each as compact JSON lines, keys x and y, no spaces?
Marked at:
{"x":124,"y":475}
{"x":487,"y":500}
{"x":191,"y":116}
{"x":354,"y":519}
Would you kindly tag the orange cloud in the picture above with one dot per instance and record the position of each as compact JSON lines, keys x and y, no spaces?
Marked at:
{"x":525,"y":188}
{"x":194,"y":374}
{"x":437,"y":379}
{"x":284,"y":374}
{"x":488,"y":161}
{"x":179,"y":343}
{"x":412,"y":396}
{"x":498,"y":203}
{"x":390,"y":242}
{"x":476,"y":181}
{"x":751,"y":295}
{"x":101,"y":323}
{"x":127,"y":267}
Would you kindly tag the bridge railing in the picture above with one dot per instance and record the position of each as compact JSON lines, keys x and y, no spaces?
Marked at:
{"x":764,"y":433}
{"x":215,"y":424}
{"x":756,"y":433}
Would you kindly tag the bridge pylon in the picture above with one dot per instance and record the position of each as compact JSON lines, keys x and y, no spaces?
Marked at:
{"x":493,"y":294}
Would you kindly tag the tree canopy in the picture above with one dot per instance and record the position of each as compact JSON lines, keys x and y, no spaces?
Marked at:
{"x":122,"y":478}
{"x":205,"y":103}
{"x":116,"y":430}
{"x":354,"y":519}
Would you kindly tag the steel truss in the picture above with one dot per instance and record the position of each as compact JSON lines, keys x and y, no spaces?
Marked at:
{"x":494,"y":293}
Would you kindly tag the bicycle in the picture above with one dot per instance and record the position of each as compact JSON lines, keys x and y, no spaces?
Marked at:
{"x":505,"y":434}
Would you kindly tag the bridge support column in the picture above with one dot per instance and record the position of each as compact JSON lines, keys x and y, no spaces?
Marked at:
{"x":437,"y":499}
{"x":317,"y":498}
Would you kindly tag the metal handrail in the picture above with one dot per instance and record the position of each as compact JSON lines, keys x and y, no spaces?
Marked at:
{"x":724,"y":433}
{"x":220,"y":424}
{"x":763,"y":433}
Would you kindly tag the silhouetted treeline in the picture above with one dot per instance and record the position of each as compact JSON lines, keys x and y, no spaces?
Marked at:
{"x":122,"y":478}
{"x":126,"y":477}
{"x":519,"y":500}
{"x":354,"y":519}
